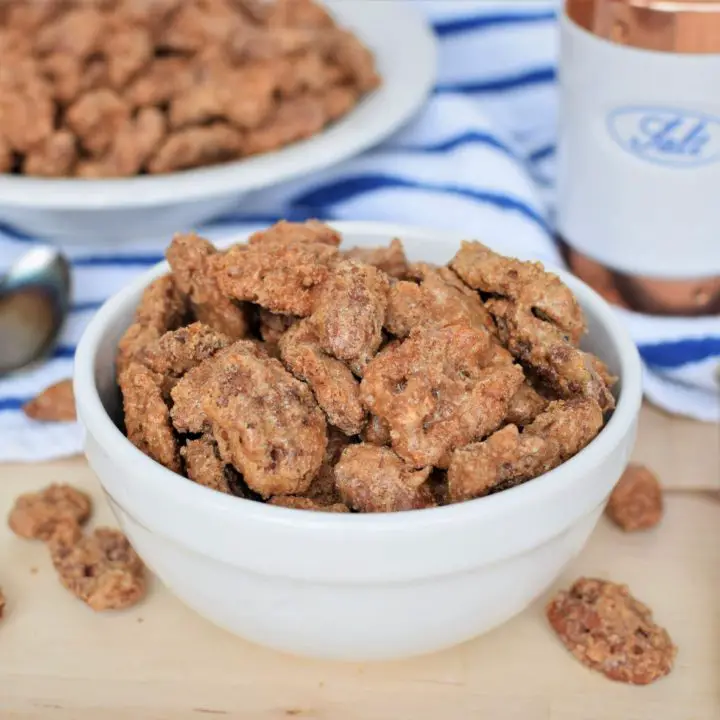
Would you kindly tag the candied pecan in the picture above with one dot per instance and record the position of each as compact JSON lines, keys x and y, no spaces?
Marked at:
{"x":288,"y":233}
{"x":527,"y":284}
{"x":102,"y":570}
{"x":349,"y":311}
{"x":128,"y":50}
{"x":543,"y":347}
{"x":218,"y":99}
{"x":391,"y":259}
{"x":197,"y":146}
{"x":277,"y":276}
{"x":298,"y":14}
{"x":303,"y":72}
{"x":29,"y":16}
{"x":64,"y":74}
{"x":268,"y":44}
{"x":265,"y":422}
{"x":323,"y":489}
{"x":188,"y":395}
{"x":161,"y":81}
{"x":336,"y":390}
{"x":438,"y":390}
{"x":36,"y":515}
{"x":56,"y":403}
{"x":295,"y":119}
{"x":636,"y":503}
{"x":375,"y":479}
{"x":178,"y":351}
{"x":508,"y":457}
{"x":303,"y":503}
{"x":192,"y":260}
{"x":2,"y":603}
{"x":162,"y":307}
{"x":354,"y":59}
{"x":525,"y":405}
{"x":79,"y":32}
{"x":53,"y":157}
{"x":439,"y":299}
{"x":337,"y":101}
{"x":134,"y":143}
{"x":147,"y":417}
{"x":27,"y":112}
{"x":96,"y":118}
{"x":199,"y":23}
{"x":610,"y":631}
{"x":204,"y":466}
{"x":64,"y":536}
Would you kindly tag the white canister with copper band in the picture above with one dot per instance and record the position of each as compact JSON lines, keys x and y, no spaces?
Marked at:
{"x":639,"y":151}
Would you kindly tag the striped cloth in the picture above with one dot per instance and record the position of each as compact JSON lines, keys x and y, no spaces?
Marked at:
{"x":478,"y":159}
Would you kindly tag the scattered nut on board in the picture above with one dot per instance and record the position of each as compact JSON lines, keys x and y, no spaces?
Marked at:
{"x":2,"y":603}
{"x":636,"y":503}
{"x":36,"y":515}
{"x":54,"y":404}
{"x":100,"y":568}
{"x":608,"y":630}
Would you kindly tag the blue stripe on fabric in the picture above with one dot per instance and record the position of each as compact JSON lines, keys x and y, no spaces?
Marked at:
{"x":455,"y":26}
{"x":529,"y":78}
{"x":542,"y":153}
{"x":81,"y":307}
{"x":116,"y":260}
{"x":63,"y":352}
{"x":13,"y":403}
{"x":680,"y":352}
{"x":350,"y":187}
{"x":473,"y":137}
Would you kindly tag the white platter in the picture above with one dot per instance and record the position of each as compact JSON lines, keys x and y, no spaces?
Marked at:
{"x":109,"y":211}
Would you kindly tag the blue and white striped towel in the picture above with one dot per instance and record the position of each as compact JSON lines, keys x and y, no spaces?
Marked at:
{"x":478,"y":159}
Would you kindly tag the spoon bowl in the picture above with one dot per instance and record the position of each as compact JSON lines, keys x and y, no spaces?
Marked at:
{"x":34,"y":302}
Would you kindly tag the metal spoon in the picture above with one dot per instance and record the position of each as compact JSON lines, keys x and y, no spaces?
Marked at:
{"x":34,"y":302}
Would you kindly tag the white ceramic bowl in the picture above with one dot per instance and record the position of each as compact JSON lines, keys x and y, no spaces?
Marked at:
{"x":355,"y":587}
{"x":110,"y":211}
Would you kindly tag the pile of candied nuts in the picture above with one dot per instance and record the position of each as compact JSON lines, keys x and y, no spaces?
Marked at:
{"x":111,"y":88}
{"x":291,"y":371}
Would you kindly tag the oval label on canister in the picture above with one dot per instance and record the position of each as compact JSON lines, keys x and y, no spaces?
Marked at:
{"x":667,"y":136}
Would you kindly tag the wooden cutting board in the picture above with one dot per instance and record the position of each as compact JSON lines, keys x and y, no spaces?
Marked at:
{"x":160,"y":661}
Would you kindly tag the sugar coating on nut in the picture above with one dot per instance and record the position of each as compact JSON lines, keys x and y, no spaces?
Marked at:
{"x":323,"y":488}
{"x":178,"y":351}
{"x":37,"y":515}
{"x":636,"y":503}
{"x":336,"y":389}
{"x":439,"y":299}
{"x":508,"y":457}
{"x":391,"y":259}
{"x":102,"y":570}
{"x":278,"y":276}
{"x":438,"y":390}
{"x":204,"y":465}
{"x":375,"y":479}
{"x":192,"y":260}
{"x":147,"y":416}
{"x":55,"y":403}
{"x":349,"y":311}
{"x":266,"y":423}
{"x":608,"y":630}
{"x":188,"y":394}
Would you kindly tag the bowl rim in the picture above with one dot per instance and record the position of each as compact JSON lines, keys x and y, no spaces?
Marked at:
{"x":121,"y":451}
{"x":378,"y":115}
